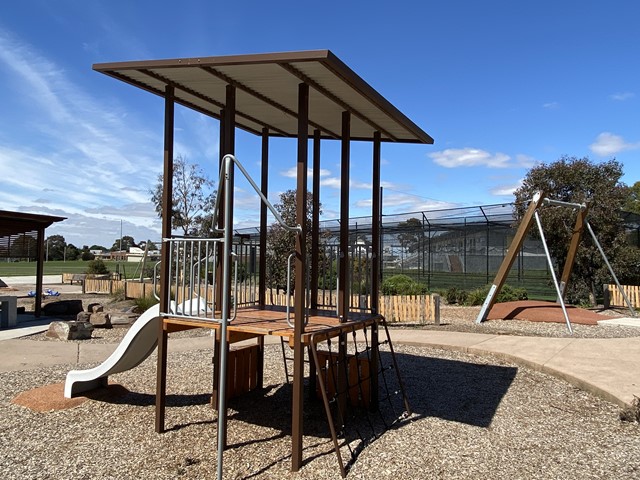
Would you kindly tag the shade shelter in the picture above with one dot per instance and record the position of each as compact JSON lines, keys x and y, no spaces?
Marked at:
{"x":19,"y":232}
{"x":299,"y":95}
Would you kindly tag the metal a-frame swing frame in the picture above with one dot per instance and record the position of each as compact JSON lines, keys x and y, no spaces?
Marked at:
{"x":539,"y":200}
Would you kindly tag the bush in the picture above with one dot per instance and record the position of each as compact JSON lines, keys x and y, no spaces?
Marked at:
{"x":454,"y":295}
{"x":97,"y":267}
{"x":507,"y":294}
{"x":402,"y":285}
{"x":144,"y":303}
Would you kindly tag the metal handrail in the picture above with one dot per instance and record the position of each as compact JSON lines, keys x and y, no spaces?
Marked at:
{"x":265,"y":200}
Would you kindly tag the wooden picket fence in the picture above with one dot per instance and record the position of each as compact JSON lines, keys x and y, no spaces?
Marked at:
{"x":395,"y":308}
{"x":613,"y":297}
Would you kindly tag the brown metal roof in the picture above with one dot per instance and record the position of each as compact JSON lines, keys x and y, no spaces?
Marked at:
{"x":267,"y":92}
{"x":15,"y":223}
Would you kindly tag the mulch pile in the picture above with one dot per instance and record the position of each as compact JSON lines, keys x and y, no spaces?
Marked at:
{"x":538,"y":311}
{"x":51,"y":397}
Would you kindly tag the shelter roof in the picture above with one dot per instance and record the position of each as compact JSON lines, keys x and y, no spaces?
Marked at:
{"x":267,"y":93}
{"x":15,"y":223}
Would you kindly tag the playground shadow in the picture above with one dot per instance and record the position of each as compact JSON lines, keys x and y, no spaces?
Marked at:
{"x":451,"y":390}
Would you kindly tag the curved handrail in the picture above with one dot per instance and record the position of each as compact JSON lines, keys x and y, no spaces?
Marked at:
{"x":265,"y":200}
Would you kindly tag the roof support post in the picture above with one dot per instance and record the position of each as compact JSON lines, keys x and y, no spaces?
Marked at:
{"x":343,"y":271}
{"x":167,"y":195}
{"x":300,"y":276}
{"x":315,"y":220}
{"x":375,"y":224}
{"x":39,"y":271}
{"x":264,"y":188}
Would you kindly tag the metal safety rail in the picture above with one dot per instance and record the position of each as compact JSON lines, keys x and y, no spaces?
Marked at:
{"x":192,"y":277}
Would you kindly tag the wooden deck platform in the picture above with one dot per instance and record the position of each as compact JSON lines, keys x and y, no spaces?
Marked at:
{"x":252,"y":322}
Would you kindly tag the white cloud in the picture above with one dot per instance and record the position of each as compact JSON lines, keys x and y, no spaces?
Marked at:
{"x":551,"y":105}
{"x":526,"y":161}
{"x":607,"y":144}
{"x":506,"y":190}
{"x":293,"y":172}
{"x":469,"y":157}
{"x":622,"y":96}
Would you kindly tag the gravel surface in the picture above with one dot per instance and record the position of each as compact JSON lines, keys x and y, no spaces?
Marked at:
{"x":474,"y":418}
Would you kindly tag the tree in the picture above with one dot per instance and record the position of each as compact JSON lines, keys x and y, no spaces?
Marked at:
{"x":72,"y":252}
{"x":98,"y":247}
{"x":193,"y":198}
{"x":281,"y":243}
{"x":55,"y":245}
{"x":411,"y":234}
{"x":632,"y":202}
{"x":123,"y":244}
{"x":578,"y":180}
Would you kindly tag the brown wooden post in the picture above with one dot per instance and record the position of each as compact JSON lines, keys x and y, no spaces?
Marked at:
{"x":300,"y":277}
{"x":510,"y":257}
{"x":376,"y":219}
{"x":315,"y":221}
{"x":343,"y":271}
{"x":228,"y":125}
{"x":573,"y":249}
{"x":264,"y":188}
{"x":39,"y":271}
{"x":167,"y":195}
{"x":375,"y":225}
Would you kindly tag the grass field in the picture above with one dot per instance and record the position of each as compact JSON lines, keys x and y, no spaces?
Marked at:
{"x":16,"y":269}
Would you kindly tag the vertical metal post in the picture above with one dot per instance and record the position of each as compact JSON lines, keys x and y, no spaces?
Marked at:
{"x":315,"y":220}
{"x":264,"y":188}
{"x":39,"y":271}
{"x":553,"y":273}
{"x":375,"y":225}
{"x":167,"y":196}
{"x":300,"y":280}
{"x":226,"y":297}
{"x":343,"y":272}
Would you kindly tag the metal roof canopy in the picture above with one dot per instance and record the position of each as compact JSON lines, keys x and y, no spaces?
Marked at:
{"x":266,"y":93}
{"x":15,"y":223}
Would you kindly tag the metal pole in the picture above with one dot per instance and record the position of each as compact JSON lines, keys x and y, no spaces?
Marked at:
{"x":553,"y":273}
{"x":615,"y":279}
{"x":226,"y":294}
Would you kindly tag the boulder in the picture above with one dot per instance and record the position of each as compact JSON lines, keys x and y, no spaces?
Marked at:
{"x":83,"y":317}
{"x":123,"y":318}
{"x":95,"y":308}
{"x":71,"y":330}
{"x":100,"y":320}
{"x":62,"y":307}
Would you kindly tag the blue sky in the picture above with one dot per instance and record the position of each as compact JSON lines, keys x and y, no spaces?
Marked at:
{"x":500,"y":86}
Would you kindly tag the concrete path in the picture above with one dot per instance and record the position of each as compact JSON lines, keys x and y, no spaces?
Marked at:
{"x":608,"y":368}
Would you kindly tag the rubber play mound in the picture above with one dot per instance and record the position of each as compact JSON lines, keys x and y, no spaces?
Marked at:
{"x":539,"y":311}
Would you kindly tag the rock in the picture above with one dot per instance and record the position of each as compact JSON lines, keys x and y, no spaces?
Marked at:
{"x":83,"y":317}
{"x":71,"y":330}
{"x":123,"y":318}
{"x":100,"y":320}
{"x":95,"y":308}
{"x":62,"y":307}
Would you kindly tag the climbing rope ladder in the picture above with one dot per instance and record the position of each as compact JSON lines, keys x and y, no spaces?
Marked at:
{"x":359,"y":405}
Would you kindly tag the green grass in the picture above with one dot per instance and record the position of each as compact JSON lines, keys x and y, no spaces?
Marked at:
{"x":16,"y":269}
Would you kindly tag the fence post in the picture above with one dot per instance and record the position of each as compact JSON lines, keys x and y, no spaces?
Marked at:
{"x":606,"y":296}
{"x":436,"y":308}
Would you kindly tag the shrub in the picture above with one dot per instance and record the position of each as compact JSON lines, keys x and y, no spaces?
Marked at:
{"x":118,"y":295}
{"x":402,"y":285}
{"x":507,"y":294}
{"x":97,"y":267}
{"x":454,"y":295}
{"x":144,"y":303}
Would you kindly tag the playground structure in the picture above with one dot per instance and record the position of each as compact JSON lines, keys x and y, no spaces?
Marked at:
{"x":299,"y":95}
{"x":530,"y":215}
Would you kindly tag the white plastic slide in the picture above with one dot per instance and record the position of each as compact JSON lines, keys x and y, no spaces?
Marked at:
{"x":139,"y":342}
